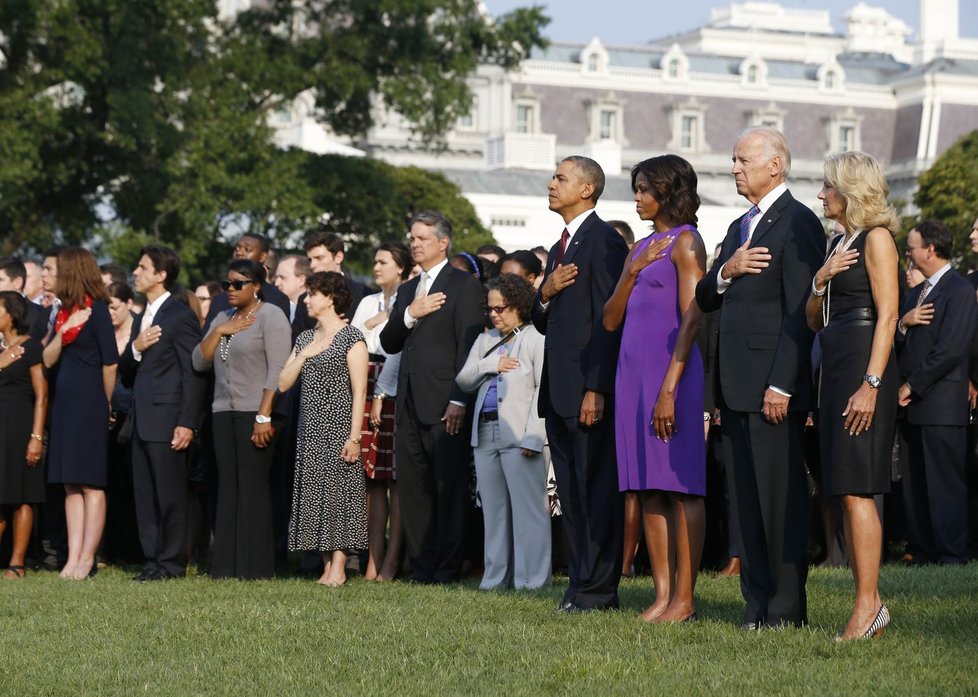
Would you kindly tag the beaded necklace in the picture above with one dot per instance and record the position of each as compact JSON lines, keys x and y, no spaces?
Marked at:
{"x":224,"y":347}
{"x":840,"y":248}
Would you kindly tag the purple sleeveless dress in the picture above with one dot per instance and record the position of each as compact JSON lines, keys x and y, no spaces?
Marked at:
{"x":651,"y":326}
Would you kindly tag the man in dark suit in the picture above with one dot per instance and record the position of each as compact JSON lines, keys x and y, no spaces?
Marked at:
{"x":934,"y":340}
{"x":326,"y":252}
{"x":576,"y":393}
{"x":761,"y":279}
{"x":167,"y":409}
{"x":256,"y":247}
{"x":13,"y":277}
{"x":433,"y":324}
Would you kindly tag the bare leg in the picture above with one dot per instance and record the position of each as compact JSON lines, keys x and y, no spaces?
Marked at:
{"x":94,"y":524}
{"x":327,"y":562}
{"x":392,"y":560}
{"x":23,"y":523}
{"x":376,"y":526}
{"x":864,"y":540}
{"x":75,"y":523}
{"x":337,"y":572}
{"x":633,"y":517}
{"x":656,"y":512}
{"x":687,"y":529}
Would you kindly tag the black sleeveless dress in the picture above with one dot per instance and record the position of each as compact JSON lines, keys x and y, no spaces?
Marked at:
{"x":854,"y":464}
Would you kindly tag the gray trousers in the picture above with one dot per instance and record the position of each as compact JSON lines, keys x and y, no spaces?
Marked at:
{"x":513,"y":489}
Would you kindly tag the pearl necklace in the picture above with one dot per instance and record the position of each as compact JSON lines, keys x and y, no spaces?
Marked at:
{"x":840,"y":248}
{"x":224,"y":347}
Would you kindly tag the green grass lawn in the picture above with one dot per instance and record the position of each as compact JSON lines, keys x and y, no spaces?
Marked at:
{"x":194,"y":636}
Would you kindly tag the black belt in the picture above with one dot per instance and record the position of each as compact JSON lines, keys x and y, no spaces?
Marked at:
{"x":489,"y":416}
{"x":376,"y":357}
{"x":857,"y":316}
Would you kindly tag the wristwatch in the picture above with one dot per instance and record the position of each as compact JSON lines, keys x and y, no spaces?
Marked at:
{"x":259,"y":419}
{"x":873,"y":381}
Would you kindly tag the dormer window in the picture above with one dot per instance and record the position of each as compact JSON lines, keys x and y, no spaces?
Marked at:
{"x":674,"y":64}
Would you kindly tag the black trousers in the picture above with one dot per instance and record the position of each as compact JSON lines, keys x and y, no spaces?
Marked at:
{"x":159,"y":484}
{"x":935,"y":490}
{"x":593,"y":510}
{"x":432,"y":484}
{"x":243,"y":539}
{"x":769,"y":501}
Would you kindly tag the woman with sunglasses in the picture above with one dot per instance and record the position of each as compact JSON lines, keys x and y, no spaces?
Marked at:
{"x":504,"y":367}
{"x":246,"y":346}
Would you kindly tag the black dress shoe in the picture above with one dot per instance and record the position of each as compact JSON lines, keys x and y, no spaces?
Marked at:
{"x":564,"y":604}
{"x":754,"y":626}
{"x":144,"y":575}
{"x":575,"y":609}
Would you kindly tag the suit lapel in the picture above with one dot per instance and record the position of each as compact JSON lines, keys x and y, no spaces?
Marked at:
{"x":578,"y":238}
{"x":938,"y":290}
{"x":769,"y":218}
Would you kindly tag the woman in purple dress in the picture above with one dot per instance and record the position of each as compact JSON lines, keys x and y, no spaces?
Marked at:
{"x":659,"y":386}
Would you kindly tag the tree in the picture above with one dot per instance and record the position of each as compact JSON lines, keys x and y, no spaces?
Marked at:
{"x":948,"y":192}
{"x":123,"y":121}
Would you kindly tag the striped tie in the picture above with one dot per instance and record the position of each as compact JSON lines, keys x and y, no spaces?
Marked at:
{"x":924,"y":290}
{"x":745,"y":224}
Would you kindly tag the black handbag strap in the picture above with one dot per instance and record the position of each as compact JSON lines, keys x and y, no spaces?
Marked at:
{"x":505,"y":339}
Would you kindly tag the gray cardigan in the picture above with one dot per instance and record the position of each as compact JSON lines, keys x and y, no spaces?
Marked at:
{"x":255,"y":358}
{"x":517,"y":390}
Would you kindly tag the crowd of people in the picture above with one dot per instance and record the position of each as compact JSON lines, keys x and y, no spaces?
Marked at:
{"x":289,"y":408}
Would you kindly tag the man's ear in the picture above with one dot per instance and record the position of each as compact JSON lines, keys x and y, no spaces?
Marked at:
{"x":339,"y":257}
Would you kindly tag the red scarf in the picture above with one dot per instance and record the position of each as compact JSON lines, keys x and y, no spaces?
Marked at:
{"x":63,"y":314}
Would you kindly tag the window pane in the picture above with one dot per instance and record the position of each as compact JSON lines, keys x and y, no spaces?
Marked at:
{"x":607,"y":126}
{"x":688,"y":137}
{"x":524,"y":118}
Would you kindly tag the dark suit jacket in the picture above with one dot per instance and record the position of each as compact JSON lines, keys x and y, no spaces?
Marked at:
{"x":581,"y":354}
{"x":706,"y":340}
{"x":764,"y":338}
{"x":37,"y":318}
{"x":934,"y":357}
{"x":166,"y":391}
{"x":269,"y":293}
{"x":434,"y":350}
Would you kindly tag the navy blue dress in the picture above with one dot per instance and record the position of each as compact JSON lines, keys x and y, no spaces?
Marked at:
{"x":78,"y":451}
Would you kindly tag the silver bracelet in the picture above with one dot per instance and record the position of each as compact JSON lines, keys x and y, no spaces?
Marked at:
{"x":819,"y":293}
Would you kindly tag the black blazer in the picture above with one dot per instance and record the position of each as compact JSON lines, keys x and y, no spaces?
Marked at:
{"x":166,"y":391}
{"x":764,"y":338}
{"x":37,"y":319}
{"x":580,"y":353}
{"x":934,"y":357}
{"x":434,"y":350}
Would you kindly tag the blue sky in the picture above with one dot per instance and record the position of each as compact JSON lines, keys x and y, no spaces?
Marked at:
{"x":636,"y":22}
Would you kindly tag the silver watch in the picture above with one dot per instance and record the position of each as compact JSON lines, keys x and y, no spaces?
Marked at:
{"x":259,"y":419}
{"x":873,"y":381}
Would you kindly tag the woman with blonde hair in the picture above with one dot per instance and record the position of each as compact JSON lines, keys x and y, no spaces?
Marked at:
{"x":855,"y":303}
{"x":83,"y":357}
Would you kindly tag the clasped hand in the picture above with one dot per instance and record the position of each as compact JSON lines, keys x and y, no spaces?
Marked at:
{"x":834,"y":265}
{"x":775,"y":407}
{"x":560,"y":278}
{"x":745,"y":261}
{"x":426,"y":305}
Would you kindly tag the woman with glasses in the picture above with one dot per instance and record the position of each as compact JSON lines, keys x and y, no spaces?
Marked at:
{"x":504,"y":369}
{"x":246,"y":346}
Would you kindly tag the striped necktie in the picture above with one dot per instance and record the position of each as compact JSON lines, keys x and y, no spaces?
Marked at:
{"x":745,"y":224}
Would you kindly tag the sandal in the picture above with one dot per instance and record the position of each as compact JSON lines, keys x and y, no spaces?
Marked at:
{"x":14,"y":571}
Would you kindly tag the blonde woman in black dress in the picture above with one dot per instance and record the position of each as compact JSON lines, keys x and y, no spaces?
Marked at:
{"x":855,"y":303}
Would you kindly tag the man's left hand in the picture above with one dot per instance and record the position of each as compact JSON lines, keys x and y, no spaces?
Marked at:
{"x":903,"y":396}
{"x":453,"y":419}
{"x":181,"y":438}
{"x":592,"y":408}
{"x":775,"y":407}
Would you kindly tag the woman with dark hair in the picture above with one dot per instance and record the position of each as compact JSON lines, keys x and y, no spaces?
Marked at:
{"x":855,"y":304}
{"x":469,"y":263}
{"x":659,"y":385}
{"x":121,"y":542}
{"x":23,"y":406}
{"x":392,"y":264}
{"x":504,"y":367}
{"x":523,"y":263}
{"x":329,"y":501}
{"x":247,"y":345}
{"x":83,"y":347}
{"x":205,"y":292}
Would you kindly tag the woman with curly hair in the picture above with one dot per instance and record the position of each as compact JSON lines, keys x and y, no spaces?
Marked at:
{"x":659,"y":384}
{"x":504,"y":367}
{"x":855,"y":303}
{"x":83,"y":356}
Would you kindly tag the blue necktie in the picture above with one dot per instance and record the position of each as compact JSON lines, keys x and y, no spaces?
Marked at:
{"x":745,"y":224}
